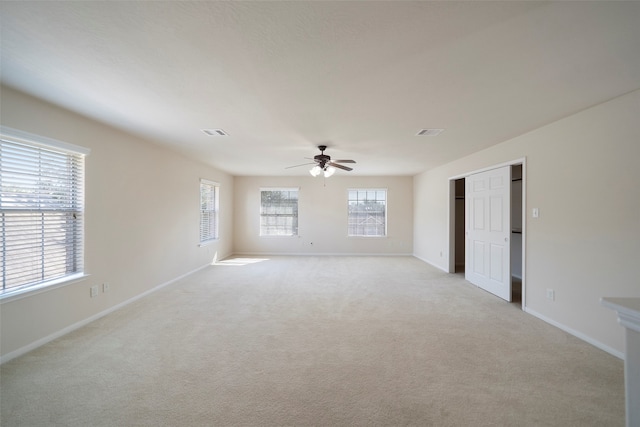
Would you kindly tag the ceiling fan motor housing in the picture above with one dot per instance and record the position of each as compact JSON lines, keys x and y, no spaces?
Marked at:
{"x":322,"y":158}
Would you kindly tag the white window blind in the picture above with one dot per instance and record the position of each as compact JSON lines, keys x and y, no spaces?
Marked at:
{"x":279,"y":212}
{"x":41,"y":213}
{"x":209,"y":195}
{"x":367,"y":212}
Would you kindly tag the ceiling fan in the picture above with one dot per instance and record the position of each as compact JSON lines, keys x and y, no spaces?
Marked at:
{"x":323,"y":163}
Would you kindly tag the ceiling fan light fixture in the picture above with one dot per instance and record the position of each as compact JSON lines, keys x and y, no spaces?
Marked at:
{"x":328,"y":171}
{"x":315,"y":171}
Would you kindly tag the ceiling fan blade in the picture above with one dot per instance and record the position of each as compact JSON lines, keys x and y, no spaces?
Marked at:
{"x":343,"y":161}
{"x":335,"y":165}
{"x":304,"y":164}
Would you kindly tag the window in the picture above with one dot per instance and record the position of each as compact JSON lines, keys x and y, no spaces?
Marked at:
{"x":367,"y":212}
{"x":209,"y":195}
{"x":279,"y":212}
{"x":41,"y":211}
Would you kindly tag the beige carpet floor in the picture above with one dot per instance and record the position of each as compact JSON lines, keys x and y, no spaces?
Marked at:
{"x":316,"y":341}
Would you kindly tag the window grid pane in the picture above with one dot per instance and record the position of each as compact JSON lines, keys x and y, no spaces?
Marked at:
{"x":41,"y":214}
{"x":367,"y":212}
{"x":279,"y":212}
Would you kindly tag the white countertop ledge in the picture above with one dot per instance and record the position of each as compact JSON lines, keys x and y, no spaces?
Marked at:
{"x":628,"y":311}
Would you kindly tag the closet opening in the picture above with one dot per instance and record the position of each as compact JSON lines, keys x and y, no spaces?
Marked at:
{"x":459,"y":227}
{"x":516,"y":234}
{"x":458,"y":223}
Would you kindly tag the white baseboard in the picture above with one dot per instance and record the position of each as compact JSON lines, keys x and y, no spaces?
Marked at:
{"x":558,"y":325}
{"x":42,"y":341}
{"x":576,"y":334}
{"x":439,"y":267}
{"x":345,"y":254}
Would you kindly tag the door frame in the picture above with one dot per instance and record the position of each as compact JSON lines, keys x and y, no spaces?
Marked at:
{"x":451,"y":219}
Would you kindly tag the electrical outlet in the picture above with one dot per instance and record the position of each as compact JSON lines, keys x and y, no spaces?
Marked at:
{"x":93,"y":291}
{"x":105,"y":287}
{"x":551,"y":294}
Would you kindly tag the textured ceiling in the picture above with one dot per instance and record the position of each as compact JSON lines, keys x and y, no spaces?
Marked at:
{"x":361,"y":77}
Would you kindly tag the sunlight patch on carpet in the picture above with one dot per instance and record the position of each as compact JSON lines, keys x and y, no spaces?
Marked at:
{"x":235,"y":262}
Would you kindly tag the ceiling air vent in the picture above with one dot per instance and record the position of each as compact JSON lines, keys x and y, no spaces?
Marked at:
{"x":215,"y":132}
{"x":429,"y":132}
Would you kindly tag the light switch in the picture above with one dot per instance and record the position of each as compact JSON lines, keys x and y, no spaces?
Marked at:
{"x":536,"y":212}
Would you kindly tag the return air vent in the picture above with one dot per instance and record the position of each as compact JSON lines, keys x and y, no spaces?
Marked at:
{"x":429,"y":132}
{"x":215,"y":132}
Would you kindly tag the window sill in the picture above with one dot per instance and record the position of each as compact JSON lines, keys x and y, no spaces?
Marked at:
{"x":367,"y":237}
{"x":13,"y":295}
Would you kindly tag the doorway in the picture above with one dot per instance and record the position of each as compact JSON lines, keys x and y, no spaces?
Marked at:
{"x":458,"y":223}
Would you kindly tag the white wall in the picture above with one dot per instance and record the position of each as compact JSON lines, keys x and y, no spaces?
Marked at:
{"x":141,"y":227}
{"x":582,"y":173}
{"x":322,"y":216}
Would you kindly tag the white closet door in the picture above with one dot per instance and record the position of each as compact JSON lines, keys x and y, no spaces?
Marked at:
{"x":488,"y":231}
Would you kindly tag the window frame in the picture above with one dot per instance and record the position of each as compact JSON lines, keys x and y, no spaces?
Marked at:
{"x":386,"y":212}
{"x":294,"y":232}
{"x":205,"y":183}
{"x":48,"y":147}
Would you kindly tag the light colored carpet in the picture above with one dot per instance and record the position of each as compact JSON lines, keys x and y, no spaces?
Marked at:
{"x":316,"y":341}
